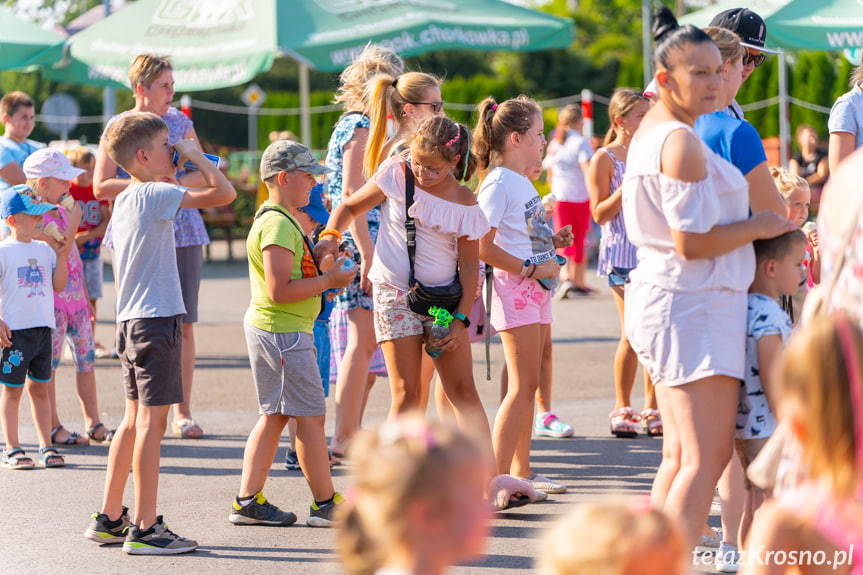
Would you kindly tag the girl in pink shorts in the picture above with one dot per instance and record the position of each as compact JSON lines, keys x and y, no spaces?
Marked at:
{"x":520,"y":246}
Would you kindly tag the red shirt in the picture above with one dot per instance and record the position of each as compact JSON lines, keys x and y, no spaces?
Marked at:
{"x":90,"y":207}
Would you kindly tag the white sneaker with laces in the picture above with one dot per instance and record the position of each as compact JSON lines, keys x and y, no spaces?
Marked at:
{"x":544,"y":484}
{"x":727,"y":558}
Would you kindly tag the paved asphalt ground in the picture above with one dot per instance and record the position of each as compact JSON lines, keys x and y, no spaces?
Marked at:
{"x":45,"y":511}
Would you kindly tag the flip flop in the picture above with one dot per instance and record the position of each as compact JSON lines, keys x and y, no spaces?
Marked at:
{"x":517,"y":502}
{"x":71,"y":440}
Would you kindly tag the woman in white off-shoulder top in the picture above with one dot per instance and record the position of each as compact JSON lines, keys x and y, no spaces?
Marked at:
{"x":687,"y":212}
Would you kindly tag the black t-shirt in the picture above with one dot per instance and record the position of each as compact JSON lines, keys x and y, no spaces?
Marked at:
{"x":810,"y":167}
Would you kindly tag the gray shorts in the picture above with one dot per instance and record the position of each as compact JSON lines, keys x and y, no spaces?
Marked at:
{"x":190,"y":263}
{"x":285,"y":371}
{"x":151,"y":351}
{"x":93,"y":277}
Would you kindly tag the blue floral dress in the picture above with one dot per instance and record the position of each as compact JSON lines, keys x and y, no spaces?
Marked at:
{"x":353,"y":296}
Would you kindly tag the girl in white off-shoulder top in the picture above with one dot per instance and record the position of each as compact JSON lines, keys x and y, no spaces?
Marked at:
{"x":686,"y":211}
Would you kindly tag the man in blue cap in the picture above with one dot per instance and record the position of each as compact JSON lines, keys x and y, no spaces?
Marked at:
{"x":752,"y":31}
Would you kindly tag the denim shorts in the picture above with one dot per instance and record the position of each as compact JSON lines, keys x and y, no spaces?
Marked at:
{"x":618,"y":276}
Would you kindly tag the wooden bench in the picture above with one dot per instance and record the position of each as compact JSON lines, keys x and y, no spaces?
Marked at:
{"x":224,"y":220}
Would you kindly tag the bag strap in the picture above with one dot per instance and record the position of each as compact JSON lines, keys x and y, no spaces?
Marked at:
{"x":305,"y":241}
{"x":302,"y":235}
{"x":489,"y":279}
{"x":410,"y":224}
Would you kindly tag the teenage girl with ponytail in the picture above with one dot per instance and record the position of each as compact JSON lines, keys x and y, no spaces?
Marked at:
{"x":509,"y":139}
{"x":412,"y":98}
{"x":617,"y":254}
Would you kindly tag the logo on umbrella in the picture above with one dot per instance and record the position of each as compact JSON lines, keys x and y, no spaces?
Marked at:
{"x":195,"y":14}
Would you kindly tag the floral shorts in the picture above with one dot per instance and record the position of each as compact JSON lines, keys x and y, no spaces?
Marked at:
{"x":393,"y":316}
{"x":75,"y":328}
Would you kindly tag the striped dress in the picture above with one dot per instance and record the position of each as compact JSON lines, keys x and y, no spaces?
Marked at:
{"x":615,"y":249}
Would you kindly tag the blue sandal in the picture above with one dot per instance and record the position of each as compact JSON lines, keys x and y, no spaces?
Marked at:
{"x":15,"y":458}
{"x":48,"y":453}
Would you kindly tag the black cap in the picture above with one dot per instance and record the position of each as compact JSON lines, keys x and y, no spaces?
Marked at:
{"x":746,"y":24}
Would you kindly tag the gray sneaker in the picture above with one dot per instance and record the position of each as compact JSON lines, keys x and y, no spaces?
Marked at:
{"x":260,"y":512}
{"x":324,"y":516}
{"x":100,"y":530}
{"x":157,"y":540}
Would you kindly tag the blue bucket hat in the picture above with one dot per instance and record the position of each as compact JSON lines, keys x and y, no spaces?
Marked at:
{"x":315,"y":208}
{"x":22,"y":199}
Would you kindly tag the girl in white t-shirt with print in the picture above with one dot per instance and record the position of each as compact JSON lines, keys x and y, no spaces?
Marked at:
{"x":449,"y":223}
{"x":520,"y":246}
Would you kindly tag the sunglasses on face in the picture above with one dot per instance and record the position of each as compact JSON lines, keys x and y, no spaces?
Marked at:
{"x":436,"y":106}
{"x":757,"y":60}
{"x":417,"y":169}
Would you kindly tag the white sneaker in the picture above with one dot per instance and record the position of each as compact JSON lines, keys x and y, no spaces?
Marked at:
{"x":727,"y":558}
{"x":544,"y":484}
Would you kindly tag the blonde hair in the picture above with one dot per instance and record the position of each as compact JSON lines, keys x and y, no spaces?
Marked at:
{"x":373,"y":60}
{"x":622,"y":102}
{"x":727,"y":41}
{"x":496,"y":122}
{"x":815,"y":376}
{"x":129,"y":133}
{"x":612,"y":537}
{"x":407,"y":88}
{"x":786,"y":182}
{"x":405,"y":460}
{"x":80,"y":156}
{"x":146,"y":68}
{"x":567,"y":119}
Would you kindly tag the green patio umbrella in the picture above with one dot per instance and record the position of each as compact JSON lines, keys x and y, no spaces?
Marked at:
{"x":24,"y":44}
{"x":831,"y":25}
{"x":220,"y":44}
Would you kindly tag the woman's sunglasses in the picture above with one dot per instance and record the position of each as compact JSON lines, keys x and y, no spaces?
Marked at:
{"x":757,"y":60}
{"x":436,"y":106}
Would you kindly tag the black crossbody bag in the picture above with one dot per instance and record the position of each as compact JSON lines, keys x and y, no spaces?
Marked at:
{"x":305,"y":241}
{"x":420,"y":297}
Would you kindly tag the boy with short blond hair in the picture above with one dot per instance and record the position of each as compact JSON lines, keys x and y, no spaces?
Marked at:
{"x":18,"y":115}
{"x":286,"y":298}
{"x":26,"y":321}
{"x":149,"y":322}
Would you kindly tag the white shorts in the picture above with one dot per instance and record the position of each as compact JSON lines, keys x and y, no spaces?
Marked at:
{"x":681,"y":337}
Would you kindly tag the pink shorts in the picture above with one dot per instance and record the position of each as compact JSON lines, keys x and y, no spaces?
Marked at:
{"x":577,"y":215}
{"x":393,"y":316}
{"x":77,"y":330}
{"x":518,"y":301}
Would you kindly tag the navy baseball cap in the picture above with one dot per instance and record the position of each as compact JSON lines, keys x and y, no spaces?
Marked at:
{"x":746,"y":24}
{"x":316,"y":208}
{"x":22,"y":199}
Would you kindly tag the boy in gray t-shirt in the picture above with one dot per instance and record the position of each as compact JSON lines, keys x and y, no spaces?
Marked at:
{"x":149,"y":321}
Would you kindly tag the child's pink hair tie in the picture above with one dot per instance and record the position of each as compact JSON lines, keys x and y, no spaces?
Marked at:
{"x":494,"y":107}
{"x":455,"y":139}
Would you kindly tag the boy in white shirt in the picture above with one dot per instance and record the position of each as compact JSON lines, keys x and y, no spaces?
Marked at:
{"x":26,"y":321}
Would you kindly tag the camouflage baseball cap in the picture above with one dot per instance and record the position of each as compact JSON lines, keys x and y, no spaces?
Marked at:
{"x":285,"y":155}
